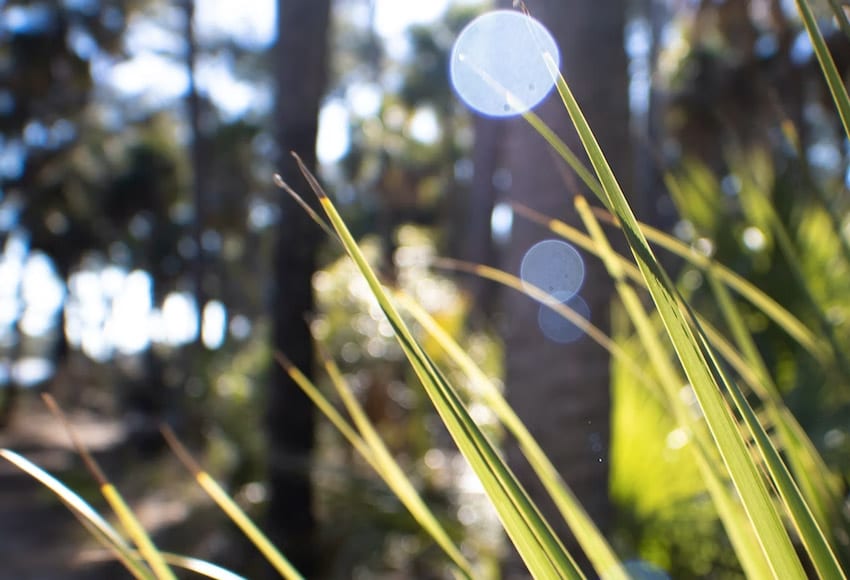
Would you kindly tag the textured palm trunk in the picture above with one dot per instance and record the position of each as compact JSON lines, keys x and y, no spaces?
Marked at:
{"x":300,"y":64}
{"x":562,"y":391}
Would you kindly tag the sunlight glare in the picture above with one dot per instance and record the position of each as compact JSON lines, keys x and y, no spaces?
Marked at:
{"x":214,"y":324}
{"x":333,"y":140}
{"x":557,"y":328}
{"x":555,"y":267}
{"x":179,"y":319}
{"x":497,"y":63}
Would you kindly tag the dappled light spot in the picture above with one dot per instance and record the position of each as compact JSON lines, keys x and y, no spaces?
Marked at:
{"x":555,"y":267}
{"x":214,"y":324}
{"x":754,"y":239}
{"x":501,"y":222}
{"x":498,"y":66}
{"x":557,"y":328}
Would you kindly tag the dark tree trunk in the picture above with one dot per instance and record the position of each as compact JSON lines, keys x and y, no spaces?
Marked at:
{"x":477,"y":242}
{"x":198,"y":161}
{"x":300,"y":61}
{"x":561,"y":391}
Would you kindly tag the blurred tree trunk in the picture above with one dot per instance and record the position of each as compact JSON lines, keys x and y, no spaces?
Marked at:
{"x":562,"y":391}
{"x":476,"y":243}
{"x":300,"y":67}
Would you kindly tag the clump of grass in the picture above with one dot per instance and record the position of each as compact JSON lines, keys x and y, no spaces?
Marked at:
{"x":736,"y":452}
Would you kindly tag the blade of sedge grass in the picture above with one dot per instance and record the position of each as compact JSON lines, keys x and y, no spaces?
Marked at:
{"x":767,"y":305}
{"x":795,"y":266}
{"x":84,"y":511}
{"x":541,"y":551}
{"x":125,"y":515}
{"x":743,"y":539}
{"x":327,"y":409}
{"x":201,"y":567}
{"x":137,"y":532}
{"x":591,"y":540}
{"x":810,"y":533}
{"x":230,"y":508}
{"x":805,"y":461}
{"x":827,"y":65}
{"x":629,"y":269}
{"x":394,"y":478}
{"x":800,"y":513}
{"x":391,"y":471}
{"x":733,"y":448}
{"x":537,"y":551}
{"x":840,"y":17}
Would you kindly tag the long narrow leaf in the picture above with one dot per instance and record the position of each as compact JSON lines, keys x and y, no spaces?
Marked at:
{"x":232,"y":509}
{"x":827,"y":65}
{"x":372,"y":449}
{"x":85,"y":512}
{"x":767,"y":305}
{"x":542,"y":552}
{"x":742,"y":537}
{"x":125,"y":515}
{"x":594,"y":544}
{"x":733,"y":448}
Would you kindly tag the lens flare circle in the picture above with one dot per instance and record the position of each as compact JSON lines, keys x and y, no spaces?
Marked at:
{"x":497,"y":63}
{"x":555,"y":267}
{"x":557,"y":328}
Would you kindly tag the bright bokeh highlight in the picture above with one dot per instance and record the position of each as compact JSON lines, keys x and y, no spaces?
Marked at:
{"x":555,"y":267}
{"x":498,"y":66}
{"x":557,"y":328}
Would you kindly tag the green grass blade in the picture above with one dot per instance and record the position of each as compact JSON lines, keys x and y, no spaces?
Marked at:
{"x":767,"y":305}
{"x":733,"y":448}
{"x":106,"y":533}
{"x":591,"y":540}
{"x":537,"y":545}
{"x":232,"y":509}
{"x":201,"y":567}
{"x":795,"y":265}
{"x":820,"y":490}
{"x":125,"y":515}
{"x":137,"y":532}
{"x":827,"y":65}
{"x":327,"y":409}
{"x":511,"y":281}
{"x":810,"y":533}
{"x":801,"y":515}
{"x":805,"y":461}
{"x":390,"y":471}
{"x":742,"y":538}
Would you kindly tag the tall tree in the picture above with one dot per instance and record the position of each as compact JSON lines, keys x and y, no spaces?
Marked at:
{"x":300,"y":61}
{"x":562,"y":391}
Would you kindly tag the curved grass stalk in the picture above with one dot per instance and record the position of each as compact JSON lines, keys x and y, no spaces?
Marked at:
{"x":744,"y":472}
{"x":539,"y":548}
{"x":810,"y":532}
{"x":369,"y":444}
{"x":591,"y":540}
{"x":827,"y":65}
{"x":105,"y":532}
{"x":767,"y":305}
{"x":734,"y":519}
{"x":231,"y":508}
{"x":803,"y":458}
{"x":125,"y":515}
{"x":821,"y":553}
